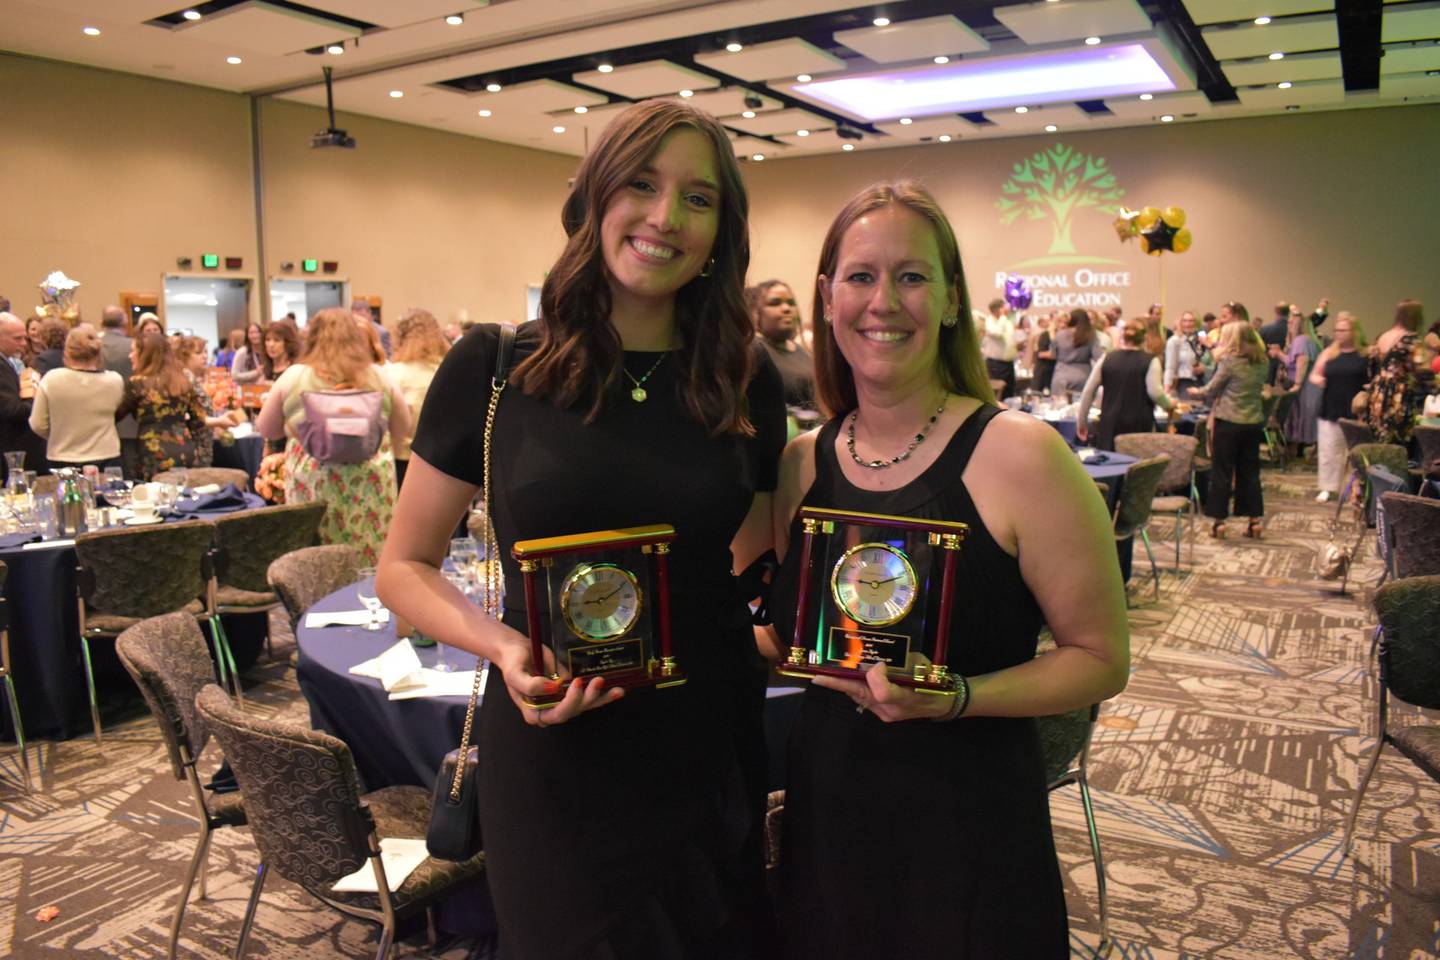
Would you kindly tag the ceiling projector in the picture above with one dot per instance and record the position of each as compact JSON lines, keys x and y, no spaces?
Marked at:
{"x":330,"y":137}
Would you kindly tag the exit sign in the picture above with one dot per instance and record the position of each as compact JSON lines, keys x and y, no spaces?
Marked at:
{"x":209,"y":260}
{"x":309,"y":266}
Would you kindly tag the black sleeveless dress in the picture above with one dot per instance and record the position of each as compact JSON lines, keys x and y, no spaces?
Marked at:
{"x":633,"y":832}
{"x":922,"y":840}
{"x":1127,"y":407}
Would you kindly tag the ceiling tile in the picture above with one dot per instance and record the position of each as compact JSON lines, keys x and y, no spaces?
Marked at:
{"x":1175,"y":104}
{"x":1302,"y":66}
{"x":913,"y":40}
{"x":1406,"y":59}
{"x":1296,"y":35}
{"x":1234,"y":11}
{"x":730,"y":102}
{"x":769,"y":61}
{"x":928,"y":127}
{"x":825,"y":141}
{"x":537,"y":96}
{"x":1302,"y":94}
{"x":1416,"y":21}
{"x":779,"y":121}
{"x":653,"y":78}
{"x":1073,"y":20}
{"x":388,"y":13}
{"x":749,"y":146}
{"x":1409,"y":86}
{"x":257,"y":27}
{"x":1066,"y":116}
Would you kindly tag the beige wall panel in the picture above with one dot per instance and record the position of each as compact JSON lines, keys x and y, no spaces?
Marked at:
{"x":1296,"y":207}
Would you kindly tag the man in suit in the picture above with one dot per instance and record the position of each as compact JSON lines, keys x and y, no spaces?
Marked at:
{"x":115,"y":350}
{"x":361,"y":308}
{"x":1274,"y":334}
{"x":17,"y":390}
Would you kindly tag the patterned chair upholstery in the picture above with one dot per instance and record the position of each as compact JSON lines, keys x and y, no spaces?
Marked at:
{"x":168,"y":659}
{"x":302,"y":577}
{"x":1391,"y":456}
{"x":1177,"y":485}
{"x":1132,"y":513}
{"x":1355,"y":432}
{"x":201,"y":476}
{"x":1413,"y":526}
{"x":120,"y":583}
{"x":1409,"y":612}
{"x":10,"y":678}
{"x":1428,"y":440}
{"x":1065,"y":745}
{"x":313,"y":826}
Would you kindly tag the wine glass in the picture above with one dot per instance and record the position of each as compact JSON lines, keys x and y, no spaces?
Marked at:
{"x":464,"y":554}
{"x":365,"y":589}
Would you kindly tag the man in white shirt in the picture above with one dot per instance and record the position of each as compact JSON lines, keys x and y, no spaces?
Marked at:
{"x":1000,"y":345}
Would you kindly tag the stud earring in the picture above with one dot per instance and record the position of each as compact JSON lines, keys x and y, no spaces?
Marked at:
{"x":949,"y":321}
{"x":709,"y":266}
{"x":828,"y":318}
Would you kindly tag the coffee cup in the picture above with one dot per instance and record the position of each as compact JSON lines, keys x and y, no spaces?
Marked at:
{"x":143,"y":509}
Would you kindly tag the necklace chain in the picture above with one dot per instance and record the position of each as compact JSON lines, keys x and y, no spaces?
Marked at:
{"x":883,"y":464}
{"x":637,"y":393}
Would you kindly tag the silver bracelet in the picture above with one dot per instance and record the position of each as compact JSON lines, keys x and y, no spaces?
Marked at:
{"x":959,"y":703}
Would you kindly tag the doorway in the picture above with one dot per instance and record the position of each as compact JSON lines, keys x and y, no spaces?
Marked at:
{"x":206,"y":307}
{"x":304,"y":298}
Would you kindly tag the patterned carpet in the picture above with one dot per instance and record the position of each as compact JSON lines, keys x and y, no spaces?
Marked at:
{"x":1222,"y":777}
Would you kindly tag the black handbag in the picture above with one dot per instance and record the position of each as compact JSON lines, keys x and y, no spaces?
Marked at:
{"x":454,"y":831}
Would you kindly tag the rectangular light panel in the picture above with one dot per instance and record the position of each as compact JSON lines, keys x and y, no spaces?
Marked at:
{"x":1089,"y":73}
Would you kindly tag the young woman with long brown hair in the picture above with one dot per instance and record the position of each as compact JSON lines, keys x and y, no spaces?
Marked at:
{"x":617,"y":826}
{"x":169,"y":408}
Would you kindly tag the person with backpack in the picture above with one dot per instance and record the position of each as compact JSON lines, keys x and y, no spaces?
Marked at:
{"x":336,"y":412}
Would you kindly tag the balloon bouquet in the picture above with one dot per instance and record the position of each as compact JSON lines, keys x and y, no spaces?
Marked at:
{"x":1158,"y":230}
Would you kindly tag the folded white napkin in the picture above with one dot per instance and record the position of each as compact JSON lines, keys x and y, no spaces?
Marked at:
{"x":47,"y":544}
{"x":397,"y":668}
{"x":436,"y":684}
{"x":242,"y":430}
{"x":398,"y":855}
{"x":205,"y":490}
{"x":344,"y":618}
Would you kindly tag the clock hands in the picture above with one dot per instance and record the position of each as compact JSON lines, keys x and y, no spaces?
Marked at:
{"x":875,"y":584}
{"x":607,"y":596}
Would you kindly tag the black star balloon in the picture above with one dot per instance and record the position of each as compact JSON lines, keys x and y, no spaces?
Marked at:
{"x":1159,"y":237}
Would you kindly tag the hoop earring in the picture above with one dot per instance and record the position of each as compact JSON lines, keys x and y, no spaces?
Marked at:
{"x":949,"y":321}
{"x":709,"y":266}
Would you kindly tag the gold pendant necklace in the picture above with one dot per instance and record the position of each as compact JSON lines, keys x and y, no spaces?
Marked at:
{"x":638,"y":393}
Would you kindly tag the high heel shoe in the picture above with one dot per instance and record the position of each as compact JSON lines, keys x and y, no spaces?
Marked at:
{"x":1217,"y":530}
{"x":1253,"y":530}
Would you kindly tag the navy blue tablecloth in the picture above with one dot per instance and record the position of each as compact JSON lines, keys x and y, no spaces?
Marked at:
{"x":244,"y":454}
{"x":1112,"y":473}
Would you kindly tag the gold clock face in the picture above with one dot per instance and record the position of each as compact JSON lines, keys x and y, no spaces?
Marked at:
{"x":600,"y":601}
{"x":874,"y":584}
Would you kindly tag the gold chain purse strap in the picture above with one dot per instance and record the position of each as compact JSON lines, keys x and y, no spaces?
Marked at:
{"x":490,"y":600}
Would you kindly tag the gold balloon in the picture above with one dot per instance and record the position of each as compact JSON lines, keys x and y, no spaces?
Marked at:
{"x":1125,"y":228}
{"x":1182,"y":241}
{"x":1147,"y":218}
{"x":1175,"y":216}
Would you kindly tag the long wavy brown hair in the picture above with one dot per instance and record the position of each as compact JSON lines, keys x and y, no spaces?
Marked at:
{"x":418,"y":338}
{"x":286,"y":333}
{"x":961,"y":369}
{"x":157,"y":368}
{"x":580,"y":355}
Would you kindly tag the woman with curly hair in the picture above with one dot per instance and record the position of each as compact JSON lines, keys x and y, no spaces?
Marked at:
{"x":419,"y":348}
{"x":169,"y":407}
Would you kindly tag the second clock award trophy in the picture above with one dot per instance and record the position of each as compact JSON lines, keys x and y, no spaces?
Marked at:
{"x":876,"y":589}
{"x":607,"y":594}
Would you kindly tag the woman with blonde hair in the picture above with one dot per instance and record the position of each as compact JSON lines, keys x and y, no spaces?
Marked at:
{"x":169,"y":408}
{"x":1237,"y":396}
{"x":75,"y":406}
{"x":1341,"y":371}
{"x":419,"y":348}
{"x":359,"y":496}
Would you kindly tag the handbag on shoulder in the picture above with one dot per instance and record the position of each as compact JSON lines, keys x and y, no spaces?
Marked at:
{"x":454,"y":830}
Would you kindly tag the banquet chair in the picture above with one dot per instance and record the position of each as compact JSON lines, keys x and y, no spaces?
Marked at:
{"x":246,"y":543}
{"x":169,"y":662}
{"x":1391,"y":456}
{"x":1413,"y":525}
{"x":313,"y":826}
{"x":201,"y":476}
{"x":126,"y":575}
{"x":1273,"y":436}
{"x":1065,"y":745}
{"x":1355,"y":433}
{"x":1132,"y":513}
{"x":9,"y":678}
{"x":1409,"y":612}
{"x":1428,"y":440}
{"x":1178,"y":483}
{"x":302,"y":577}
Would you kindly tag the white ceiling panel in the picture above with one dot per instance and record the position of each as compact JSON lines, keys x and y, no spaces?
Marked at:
{"x":389,"y":13}
{"x":1416,"y":59}
{"x":1302,"y":66}
{"x":1302,"y":94}
{"x":1296,"y":35}
{"x":1073,"y":20}
{"x":1418,"y":21}
{"x":258,"y":27}
{"x":1409,"y":86}
{"x":749,"y":146}
{"x":827,"y":142}
{"x":913,"y":40}
{"x":730,"y":102}
{"x":769,"y":61}
{"x":1175,"y":104}
{"x":117,"y":11}
{"x":537,"y":96}
{"x":653,"y":78}
{"x":1235,"y":11}
{"x":1066,"y":116}
{"x":779,"y":121}
{"x":928,"y":127}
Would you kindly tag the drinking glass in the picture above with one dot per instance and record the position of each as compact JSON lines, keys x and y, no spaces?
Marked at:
{"x":464,"y":554}
{"x":371,"y":601}
{"x":181,"y":478}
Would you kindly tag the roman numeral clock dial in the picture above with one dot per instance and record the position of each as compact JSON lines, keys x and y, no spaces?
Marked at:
{"x":874,"y":584}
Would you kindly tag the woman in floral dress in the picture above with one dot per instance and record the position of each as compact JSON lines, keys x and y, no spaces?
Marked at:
{"x":359,"y":496}
{"x":1394,"y":394}
{"x":169,"y":408}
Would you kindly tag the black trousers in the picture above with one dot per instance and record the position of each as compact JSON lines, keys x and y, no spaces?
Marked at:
{"x":1236,"y":465}
{"x":1002,"y":370}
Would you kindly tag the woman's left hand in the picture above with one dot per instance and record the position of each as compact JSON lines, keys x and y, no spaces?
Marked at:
{"x":890,"y":702}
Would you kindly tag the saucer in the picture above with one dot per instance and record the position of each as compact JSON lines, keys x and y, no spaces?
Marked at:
{"x":142,"y":521}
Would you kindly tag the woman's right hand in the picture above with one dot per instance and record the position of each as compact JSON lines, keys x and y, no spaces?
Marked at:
{"x":581,"y":693}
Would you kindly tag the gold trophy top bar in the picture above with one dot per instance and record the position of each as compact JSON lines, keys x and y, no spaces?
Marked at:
{"x":906,"y":523}
{"x":551,"y":546}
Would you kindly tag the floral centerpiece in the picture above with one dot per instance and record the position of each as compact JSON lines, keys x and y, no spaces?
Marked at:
{"x":270,"y":479}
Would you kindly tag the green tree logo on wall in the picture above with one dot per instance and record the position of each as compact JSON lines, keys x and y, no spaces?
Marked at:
{"x":1055,"y":183}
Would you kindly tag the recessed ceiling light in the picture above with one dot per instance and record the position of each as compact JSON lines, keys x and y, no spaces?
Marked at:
{"x":687,"y":93}
{"x":748,"y":114}
{"x":1022,"y":109}
{"x":335,"y":49}
{"x":942,"y":59}
{"x":1261,"y":21}
{"x":944,"y":138}
{"x":906,"y":121}
{"x":396,"y":94}
{"x":605,"y":68}
{"x":492,"y":87}
{"x":455,"y":19}
{"x":1147,"y":96}
{"x":881,"y":21}
{"x":734,"y":47}
{"x":1277,"y":55}
{"x":803,"y":78}
{"x":847,"y":147}
{"x":1051,"y":128}
{"x":1167,"y":118}
{"x":757,"y":157}
{"x":582,"y":109}
{"x":1091,"y":41}
{"x":802,"y":133}
{"x":1293,"y":106}
{"x":191,"y":14}
{"x":1284,"y":84}
{"x":232,"y":60}
{"x":91,"y":31}
{"x":558,"y":129}
{"x":484,"y":113}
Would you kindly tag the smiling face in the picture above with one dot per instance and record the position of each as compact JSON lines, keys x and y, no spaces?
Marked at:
{"x":1187,"y":323}
{"x":275,"y":347}
{"x":658,"y":228}
{"x":778,"y":316}
{"x":254,"y":336}
{"x":887,"y":297}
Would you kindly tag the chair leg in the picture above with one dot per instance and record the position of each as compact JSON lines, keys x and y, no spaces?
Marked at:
{"x":90,"y":686}
{"x":1360,"y":792}
{"x":1375,"y":641}
{"x":19,"y":730}
{"x":1154,"y":568}
{"x":387,"y":936}
{"x":221,"y":673}
{"x":197,"y":865}
{"x":250,"y":909}
{"x":225,"y":657}
{"x":1084,"y":784}
{"x":1178,"y":538}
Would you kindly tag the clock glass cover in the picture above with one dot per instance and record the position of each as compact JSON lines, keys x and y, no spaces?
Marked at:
{"x":874,"y":584}
{"x":600,"y":601}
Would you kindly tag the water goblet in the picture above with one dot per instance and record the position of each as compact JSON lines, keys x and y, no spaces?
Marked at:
{"x":365,"y":589}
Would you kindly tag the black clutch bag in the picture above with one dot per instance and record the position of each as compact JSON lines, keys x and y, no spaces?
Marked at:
{"x":454,"y":832}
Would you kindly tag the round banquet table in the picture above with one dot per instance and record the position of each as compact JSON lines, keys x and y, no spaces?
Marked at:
{"x":1109,"y":468}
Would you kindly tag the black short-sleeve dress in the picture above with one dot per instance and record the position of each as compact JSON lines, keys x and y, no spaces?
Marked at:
{"x":634,"y":831}
{"x":921,"y":840}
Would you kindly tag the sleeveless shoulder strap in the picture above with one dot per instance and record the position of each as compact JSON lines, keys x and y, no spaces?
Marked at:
{"x":968,"y":436}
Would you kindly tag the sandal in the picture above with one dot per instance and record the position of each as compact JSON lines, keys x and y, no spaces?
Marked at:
{"x":1217,"y":530}
{"x":1253,"y":530}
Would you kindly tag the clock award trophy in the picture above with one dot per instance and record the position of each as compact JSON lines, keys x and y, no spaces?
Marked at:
{"x":607,"y":594}
{"x":875,"y":589}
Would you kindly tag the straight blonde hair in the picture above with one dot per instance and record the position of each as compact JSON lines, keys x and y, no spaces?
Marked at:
{"x":1239,"y":339}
